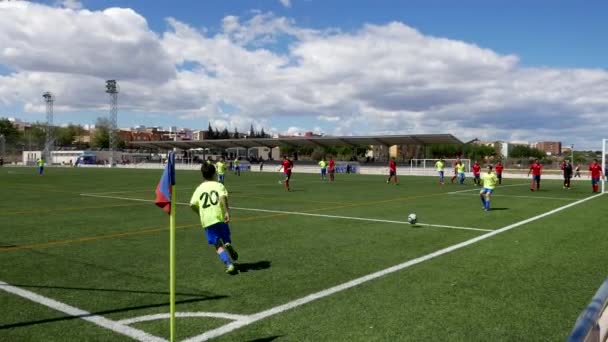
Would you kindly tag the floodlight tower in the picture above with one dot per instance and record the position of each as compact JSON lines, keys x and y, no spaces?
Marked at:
{"x":112,"y":90}
{"x":49,"y":98}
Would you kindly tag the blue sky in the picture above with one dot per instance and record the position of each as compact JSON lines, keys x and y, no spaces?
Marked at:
{"x":543,"y":33}
{"x":498,"y":49}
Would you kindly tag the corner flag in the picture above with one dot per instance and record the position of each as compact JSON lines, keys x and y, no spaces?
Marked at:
{"x":165,"y":185}
{"x":165,"y":198}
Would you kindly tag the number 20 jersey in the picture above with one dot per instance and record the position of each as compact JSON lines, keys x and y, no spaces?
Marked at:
{"x":207,"y":198}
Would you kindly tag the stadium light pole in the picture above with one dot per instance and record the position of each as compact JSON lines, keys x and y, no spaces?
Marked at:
{"x":49,"y":99}
{"x":112,"y":90}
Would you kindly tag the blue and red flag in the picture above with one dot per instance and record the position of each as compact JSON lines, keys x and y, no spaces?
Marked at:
{"x":166,"y":183}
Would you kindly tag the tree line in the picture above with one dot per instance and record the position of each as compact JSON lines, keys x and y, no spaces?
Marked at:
{"x":34,"y":137}
{"x":214,"y":133}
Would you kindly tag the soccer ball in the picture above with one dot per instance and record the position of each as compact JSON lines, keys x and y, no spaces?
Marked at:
{"x":412,"y":219}
{"x":280,"y":182}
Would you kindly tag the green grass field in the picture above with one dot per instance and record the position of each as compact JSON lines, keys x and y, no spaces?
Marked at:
{"x":109,"y":257}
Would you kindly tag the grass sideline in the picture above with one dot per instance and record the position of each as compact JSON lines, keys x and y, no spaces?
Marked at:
{"x":527,"y":284}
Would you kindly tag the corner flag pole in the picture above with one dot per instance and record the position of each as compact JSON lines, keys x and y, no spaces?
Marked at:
{"x":172,"y":263}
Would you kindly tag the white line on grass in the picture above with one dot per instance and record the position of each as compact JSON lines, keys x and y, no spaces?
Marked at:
{"x":477,"y":189}
{"x":76,"y":312}
{"x":155,"y":317}
{"x":355,"y":282}
{"x":357,"y":218}
{"x":533,"y":197}
{"x":309,"y":214}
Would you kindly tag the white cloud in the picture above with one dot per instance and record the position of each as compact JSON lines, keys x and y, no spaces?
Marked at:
{"x":71,"y":4}
{"x":385,"y":79}
{"x":286,"y":3}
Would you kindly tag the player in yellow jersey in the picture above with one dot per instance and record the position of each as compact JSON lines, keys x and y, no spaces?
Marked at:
{"x":440,"y":166}
{"x":221,"y":170}
{"x":460,"y":169}
{"x":489,"y":180}
{"x":40,"y":164}
{"x":323,"y":166}
{"x":210,"y":202}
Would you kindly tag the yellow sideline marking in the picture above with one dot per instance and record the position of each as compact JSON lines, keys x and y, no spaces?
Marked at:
{"x":119,"y":235}
{"x":6,"y":213}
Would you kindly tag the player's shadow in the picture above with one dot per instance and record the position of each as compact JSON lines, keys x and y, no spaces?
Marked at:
{"x":493,"y":209}
{"x":254,"y":266}
{"x":266,"y":339}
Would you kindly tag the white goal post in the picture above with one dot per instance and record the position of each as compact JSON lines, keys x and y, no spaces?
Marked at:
{"x":604,"y":165}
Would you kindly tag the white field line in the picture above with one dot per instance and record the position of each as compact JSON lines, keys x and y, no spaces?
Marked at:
{"x":308,"y":214}
{"x":75,"y":312}
{"x":355,"y":282}
{"x":155,"y":317}
{"x":533,"y":197}
{"x":477,"y":189}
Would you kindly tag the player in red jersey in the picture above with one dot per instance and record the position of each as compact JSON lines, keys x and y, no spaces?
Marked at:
{"x":499,"y":167}
{"x":392,"y":171}
{"x":477,"y":173}
{"x":596,"y":174}
{"x":287,"y":165}
{"x":535,"y":169}
{"x":332,"y":169}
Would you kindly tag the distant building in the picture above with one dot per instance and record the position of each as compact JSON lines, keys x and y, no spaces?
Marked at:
{"x":551,"y":148}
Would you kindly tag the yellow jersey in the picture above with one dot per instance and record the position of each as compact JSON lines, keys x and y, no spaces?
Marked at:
{"x":207,"y":198}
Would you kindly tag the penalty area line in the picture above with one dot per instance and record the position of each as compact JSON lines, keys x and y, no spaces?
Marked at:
{"x":225,"y":329}
{"x":477,"y":189}
{"x":101,"y":321}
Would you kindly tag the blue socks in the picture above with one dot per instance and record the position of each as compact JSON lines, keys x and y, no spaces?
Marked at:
{"x":486,"y":203}
{"x":225,"y":258}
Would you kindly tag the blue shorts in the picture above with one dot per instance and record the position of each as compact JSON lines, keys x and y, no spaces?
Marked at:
{"x":218,"y":231}
{"x":220,"y":178}
{"x":323,"y":172}
{"x":595,"y":181}
{"x":536,"y":178}
{"x":486,"y":191}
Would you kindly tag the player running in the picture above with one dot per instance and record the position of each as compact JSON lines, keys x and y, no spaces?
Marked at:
{"x":499,"y":167}
{"x":476,"y":173}
{"x":392,"y":171}
{"x":323,"y":166}
{"x":489,"y":180}
{"x":596,"y":174}
{"x":287,"y":165}
{"x":440,"y":166}
{"x":535,"y":169}
{"x":567,"y":174}
{"x":210,"y":202}
{"x":460,"y":169}
{"x":221,"y":170}
{"x":455,"y":170}
{"x":332,"y":169}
